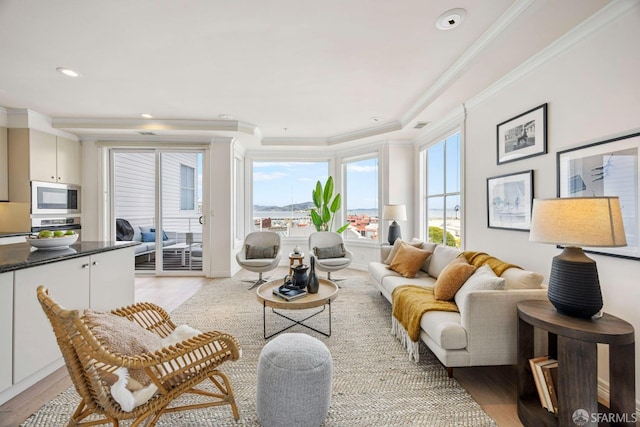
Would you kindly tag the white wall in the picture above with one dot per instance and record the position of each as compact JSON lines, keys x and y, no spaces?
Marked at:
{"x":221,"y":235}
{"x":593,"y":92}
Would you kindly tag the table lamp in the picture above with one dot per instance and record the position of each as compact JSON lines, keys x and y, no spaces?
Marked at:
{"x":576,"y":222}
{"x":394,"y":212}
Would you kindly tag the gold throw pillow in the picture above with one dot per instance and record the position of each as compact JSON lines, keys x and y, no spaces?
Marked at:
{"x":452,"y":278}
{"x":397,"y":244}
{"x":408,"y":260}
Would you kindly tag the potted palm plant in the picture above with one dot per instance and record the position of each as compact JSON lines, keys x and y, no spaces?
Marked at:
{"x":326,"y":206}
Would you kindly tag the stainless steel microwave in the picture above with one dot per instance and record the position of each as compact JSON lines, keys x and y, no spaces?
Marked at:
{"x":52,"y":198}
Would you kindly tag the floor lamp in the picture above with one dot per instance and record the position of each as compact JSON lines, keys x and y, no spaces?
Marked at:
{"x":574,"y":287}
{"x":393,"y":213}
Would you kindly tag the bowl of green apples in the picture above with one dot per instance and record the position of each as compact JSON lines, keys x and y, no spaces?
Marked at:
{"x":48,"y":240}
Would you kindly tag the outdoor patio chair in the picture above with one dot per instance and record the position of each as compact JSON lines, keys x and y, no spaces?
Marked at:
{"x":195,"y":249}
{"x":260,"y":253}
{"x":174,"y":370}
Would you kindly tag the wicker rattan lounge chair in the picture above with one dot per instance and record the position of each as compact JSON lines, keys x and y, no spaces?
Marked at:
{"x":175,"y":370}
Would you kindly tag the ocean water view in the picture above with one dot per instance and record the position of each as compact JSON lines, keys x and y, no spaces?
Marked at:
{"x":433,"y":213}
{"x":307,"y":214}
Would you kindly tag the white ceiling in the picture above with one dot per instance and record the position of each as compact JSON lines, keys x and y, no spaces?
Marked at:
{"x":310,"y":73}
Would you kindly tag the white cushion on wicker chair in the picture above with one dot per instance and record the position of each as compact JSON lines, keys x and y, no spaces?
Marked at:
{"x":128,"y":338}
{"x":179,"y":368}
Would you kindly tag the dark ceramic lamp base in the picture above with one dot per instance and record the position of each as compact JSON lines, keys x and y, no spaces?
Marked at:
{"x":394,"y":232}
{"x":574,"y":288}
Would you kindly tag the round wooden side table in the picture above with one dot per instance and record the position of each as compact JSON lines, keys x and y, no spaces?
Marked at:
{"x":573,"y":343}
{"x":293,"y":258}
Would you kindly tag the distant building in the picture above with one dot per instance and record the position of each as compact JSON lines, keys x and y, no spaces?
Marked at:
{"x":365,"y":225}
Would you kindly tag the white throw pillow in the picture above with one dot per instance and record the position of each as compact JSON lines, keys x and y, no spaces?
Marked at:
{"x":516,"y":278}
{"x":442,"y":256}
{"x":483,"y":279}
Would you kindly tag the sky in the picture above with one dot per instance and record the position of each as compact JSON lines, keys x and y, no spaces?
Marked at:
{"x":283,"y":183}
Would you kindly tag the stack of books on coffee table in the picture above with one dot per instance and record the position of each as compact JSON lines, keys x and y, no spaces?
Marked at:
{"x":288,"y":293}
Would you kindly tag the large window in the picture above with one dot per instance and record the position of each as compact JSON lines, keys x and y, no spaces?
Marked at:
{"x":187,"y":188}
{"x":443,"y":196}
{"x":361,"y":198}
{"x":282,"y":198}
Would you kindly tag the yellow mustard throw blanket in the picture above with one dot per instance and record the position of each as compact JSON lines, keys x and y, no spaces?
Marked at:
{"x":410,"y":302}
{"x":478,"y":259}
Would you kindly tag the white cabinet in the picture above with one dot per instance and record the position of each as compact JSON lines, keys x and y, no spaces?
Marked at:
{"x":39,"y":156}
{"x":6,"y":329}
{"x":102,"y":281}
{"x":42,"y":157}
{"x":68,"y":161}
{"x":112,"y":281}
{"x":34,"y":344}
{"x":54,"y":159}
{"x":4,"y":173}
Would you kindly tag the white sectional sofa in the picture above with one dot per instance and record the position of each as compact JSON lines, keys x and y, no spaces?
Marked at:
{"x":484,"y":332}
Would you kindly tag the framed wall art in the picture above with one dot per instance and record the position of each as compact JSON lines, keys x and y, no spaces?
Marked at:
{"x":523,"y":136}
{"x":606,"y":168}
{"x":509,"y":201}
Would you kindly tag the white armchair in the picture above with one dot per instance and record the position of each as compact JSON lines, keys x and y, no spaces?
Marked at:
{"x":329,"y":251}
{"x":259,"y":254}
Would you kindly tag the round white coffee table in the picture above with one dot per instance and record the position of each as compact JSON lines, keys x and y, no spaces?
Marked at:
{"x":327,"y":292}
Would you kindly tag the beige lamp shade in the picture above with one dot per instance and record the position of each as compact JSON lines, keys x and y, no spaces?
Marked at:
{"x":578,"y":221}
{"x":395,"y":212}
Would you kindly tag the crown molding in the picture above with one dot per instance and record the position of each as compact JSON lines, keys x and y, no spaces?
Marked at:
{"x":595,"y":22}
{"x":160,"y":125}
{"x":29,"y":119}
{"x":462,"y":63}
{"x":366,"y":132}
{"x":146,"y":140}
{"x":337,"y":139}
{"x":436,"y":129}
{"x":293,"y":141}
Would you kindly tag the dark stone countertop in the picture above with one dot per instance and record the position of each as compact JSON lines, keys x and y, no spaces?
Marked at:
{"x":21,"y":255}
{"x":14,"y":233}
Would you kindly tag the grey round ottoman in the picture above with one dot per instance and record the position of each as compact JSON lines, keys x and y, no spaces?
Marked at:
{"x":294,"y":381}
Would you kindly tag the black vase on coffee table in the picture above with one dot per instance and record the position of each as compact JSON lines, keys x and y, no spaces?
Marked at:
{"x":314,"y":283}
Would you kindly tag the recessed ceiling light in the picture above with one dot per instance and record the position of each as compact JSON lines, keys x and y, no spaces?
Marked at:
{"x":451,"y":19}
{"x":68,"y":72}
{"x":375,"y":119}
{"x":225,"y":116}
{"x":147,"y":115}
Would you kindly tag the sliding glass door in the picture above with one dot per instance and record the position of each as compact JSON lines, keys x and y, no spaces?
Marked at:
{"x":157,"y":200}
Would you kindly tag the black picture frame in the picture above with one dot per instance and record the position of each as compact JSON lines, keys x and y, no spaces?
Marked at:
{"x":606,"y":168}
{"x":522,"y":136}
{"x":510,"y":200}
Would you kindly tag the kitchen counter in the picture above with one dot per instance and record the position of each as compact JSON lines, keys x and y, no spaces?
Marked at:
{"x":96,"y":275}
{"x":14,"y":233}
{"x":21,"y":255}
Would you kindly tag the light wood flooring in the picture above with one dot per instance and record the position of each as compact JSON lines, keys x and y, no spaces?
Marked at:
{"x":493,"y":388}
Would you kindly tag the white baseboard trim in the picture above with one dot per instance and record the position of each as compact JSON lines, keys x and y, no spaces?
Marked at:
{"x":603,"y":394}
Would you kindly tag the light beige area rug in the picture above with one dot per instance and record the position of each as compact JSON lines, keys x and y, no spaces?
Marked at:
{"x":374,"y":382}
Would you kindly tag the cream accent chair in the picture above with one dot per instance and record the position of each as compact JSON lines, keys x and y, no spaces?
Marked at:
{"x":328,"y":239}
{"x":259,"y":265}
